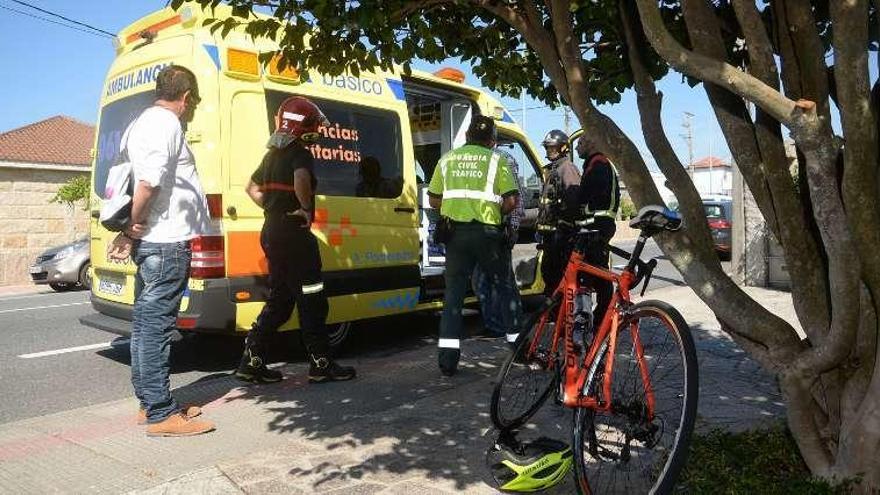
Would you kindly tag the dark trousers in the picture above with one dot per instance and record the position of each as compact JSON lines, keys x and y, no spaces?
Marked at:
{"x":472,"y":245}
{"x":597,"y":254}
{"x":557,"y":251}
{"x":557,"y":246}
{"x":294,"y":281}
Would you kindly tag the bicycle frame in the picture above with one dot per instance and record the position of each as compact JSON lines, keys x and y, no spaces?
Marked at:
{"x":575,"y":374}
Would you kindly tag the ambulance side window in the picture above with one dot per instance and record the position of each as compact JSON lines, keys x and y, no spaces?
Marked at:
{"x":529,"y":180}
{"x":359,"y":153}
{"x":115,"y":118}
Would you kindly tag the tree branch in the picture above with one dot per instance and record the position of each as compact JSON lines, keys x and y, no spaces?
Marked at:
{"x":535,"y":35}
{"x":805,"y":63}
{"x":712,"y":70}
{"x":568,"y":48}
{"x":802,"y":253}
{"x":850,"y":18}
{"x":704,"y":32}
{"x":769,"y":337}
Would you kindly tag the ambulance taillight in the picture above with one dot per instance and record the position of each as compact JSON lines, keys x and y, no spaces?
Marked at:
{"x":215,"y":206}
{"x":208,"y":257}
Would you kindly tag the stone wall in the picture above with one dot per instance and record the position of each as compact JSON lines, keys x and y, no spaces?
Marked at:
{"x":29,"y":223}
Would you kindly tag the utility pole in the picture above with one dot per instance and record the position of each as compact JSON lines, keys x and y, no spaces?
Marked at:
{"x":689,"y":139}
{"x":566,"y":118}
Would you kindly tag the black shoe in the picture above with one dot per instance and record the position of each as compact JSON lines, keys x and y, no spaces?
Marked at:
{"x":253,"y":369}
{"x":448,"y":371}
{"x":324,"y":369}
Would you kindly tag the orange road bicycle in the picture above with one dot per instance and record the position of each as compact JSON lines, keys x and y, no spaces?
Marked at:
{"x":632,"y":382}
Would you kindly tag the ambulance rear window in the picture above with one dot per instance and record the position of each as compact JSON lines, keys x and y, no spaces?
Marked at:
{"x":115,"y":118}
{"x":359,"y":154}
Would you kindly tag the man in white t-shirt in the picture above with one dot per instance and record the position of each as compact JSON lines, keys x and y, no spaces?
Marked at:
{"x":168,"y":210}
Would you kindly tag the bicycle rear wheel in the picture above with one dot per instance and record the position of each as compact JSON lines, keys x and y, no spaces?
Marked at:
{"x":625,"y":451}
{"x":527,"y":376}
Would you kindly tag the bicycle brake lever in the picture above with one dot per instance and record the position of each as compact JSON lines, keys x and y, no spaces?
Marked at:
{"x":651,"y":265}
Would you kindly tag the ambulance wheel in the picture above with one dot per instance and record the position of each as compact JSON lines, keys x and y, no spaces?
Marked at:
{"x":338,"y":333}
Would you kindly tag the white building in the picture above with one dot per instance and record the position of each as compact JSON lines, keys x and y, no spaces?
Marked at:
{"x":712,"y":177}
{"x":665,"y":192}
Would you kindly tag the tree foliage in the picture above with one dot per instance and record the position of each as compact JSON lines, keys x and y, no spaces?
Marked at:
{"x":75,"y":190}
{"x":764,"y":66}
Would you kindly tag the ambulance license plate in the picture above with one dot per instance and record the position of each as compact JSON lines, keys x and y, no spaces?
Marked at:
{"x":111,"y":285}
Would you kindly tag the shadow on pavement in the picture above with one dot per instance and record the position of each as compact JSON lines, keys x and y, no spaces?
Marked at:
{"x":401,"y":423}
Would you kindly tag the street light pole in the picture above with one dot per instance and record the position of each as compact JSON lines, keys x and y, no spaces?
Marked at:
{"x":689,"y":138}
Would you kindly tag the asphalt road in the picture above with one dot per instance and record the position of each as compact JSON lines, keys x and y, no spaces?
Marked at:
{"x":49,"y":362}
{"x":664,"y":275}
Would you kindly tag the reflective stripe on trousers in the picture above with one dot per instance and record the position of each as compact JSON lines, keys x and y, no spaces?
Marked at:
{"x":449,"y":343}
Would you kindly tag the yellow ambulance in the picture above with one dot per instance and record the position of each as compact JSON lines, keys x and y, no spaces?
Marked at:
{"x":372,"y":218}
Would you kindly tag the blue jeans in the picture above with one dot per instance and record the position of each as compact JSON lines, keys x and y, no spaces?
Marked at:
{"x":499,"y":304}
{"x":162,"y":274}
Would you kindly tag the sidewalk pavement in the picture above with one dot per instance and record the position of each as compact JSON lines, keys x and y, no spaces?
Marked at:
{"x":23,"y":290}
{"x":400,"y":428}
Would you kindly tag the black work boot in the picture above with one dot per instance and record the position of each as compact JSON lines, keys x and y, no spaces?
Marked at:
{"x":253,"y":369}
{"x":447,"y":359}
{"x":323,"y":369}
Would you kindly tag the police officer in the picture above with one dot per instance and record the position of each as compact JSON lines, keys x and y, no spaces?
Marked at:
{"x":560,"y":207}
{"x":473,"y":187}
{"x":600,"y":193}
{"x":284,"y":186}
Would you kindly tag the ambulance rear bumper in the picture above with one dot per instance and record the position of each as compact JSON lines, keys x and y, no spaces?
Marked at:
{"x":209,"y":311}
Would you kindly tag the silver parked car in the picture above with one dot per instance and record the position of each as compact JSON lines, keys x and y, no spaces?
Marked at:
{"x":64,"y":267}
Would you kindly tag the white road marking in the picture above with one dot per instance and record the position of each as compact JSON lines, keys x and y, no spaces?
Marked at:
{"x":74,"y":349}
{"x":44,"y":307}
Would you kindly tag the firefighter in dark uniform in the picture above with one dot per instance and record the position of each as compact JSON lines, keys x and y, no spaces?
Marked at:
{"x":600,"y":193}
{"x":560,"y":207}
{"x":284,"y":186}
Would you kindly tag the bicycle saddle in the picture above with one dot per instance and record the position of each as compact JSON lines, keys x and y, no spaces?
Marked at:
{"x":656,"y":218}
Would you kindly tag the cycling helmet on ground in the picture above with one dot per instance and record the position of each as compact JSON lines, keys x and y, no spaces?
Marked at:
{"x":528,"y":466}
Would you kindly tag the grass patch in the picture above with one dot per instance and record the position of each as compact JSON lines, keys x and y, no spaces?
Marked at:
{"x":753,"y":463}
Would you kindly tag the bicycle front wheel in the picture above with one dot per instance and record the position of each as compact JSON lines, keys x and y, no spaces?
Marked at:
{"x":529,"y":373}
{"x":626,"y":450}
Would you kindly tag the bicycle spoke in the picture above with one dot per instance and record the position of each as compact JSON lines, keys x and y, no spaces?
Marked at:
{"x":527,"y":377}
{"x":623,"y":451}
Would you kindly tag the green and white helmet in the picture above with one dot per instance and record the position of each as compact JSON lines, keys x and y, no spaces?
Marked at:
{"x":529,"y":466}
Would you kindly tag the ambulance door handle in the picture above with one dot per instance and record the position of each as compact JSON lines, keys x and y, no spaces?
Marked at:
{"x":232,"y":212}
{"x":404,"y":209}
{"x":96,"y":213}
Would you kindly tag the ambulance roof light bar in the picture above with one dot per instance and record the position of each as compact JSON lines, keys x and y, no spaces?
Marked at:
{"x":450,"y":74}
{"x":184,"y":16}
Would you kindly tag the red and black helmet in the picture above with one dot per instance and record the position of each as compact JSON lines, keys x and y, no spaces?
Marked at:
{"x":298,"y":118}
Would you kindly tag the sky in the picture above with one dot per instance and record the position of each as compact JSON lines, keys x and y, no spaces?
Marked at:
{"x":49,"y":69}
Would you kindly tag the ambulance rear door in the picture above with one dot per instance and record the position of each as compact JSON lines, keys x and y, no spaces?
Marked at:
{"x":129,"y":89}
